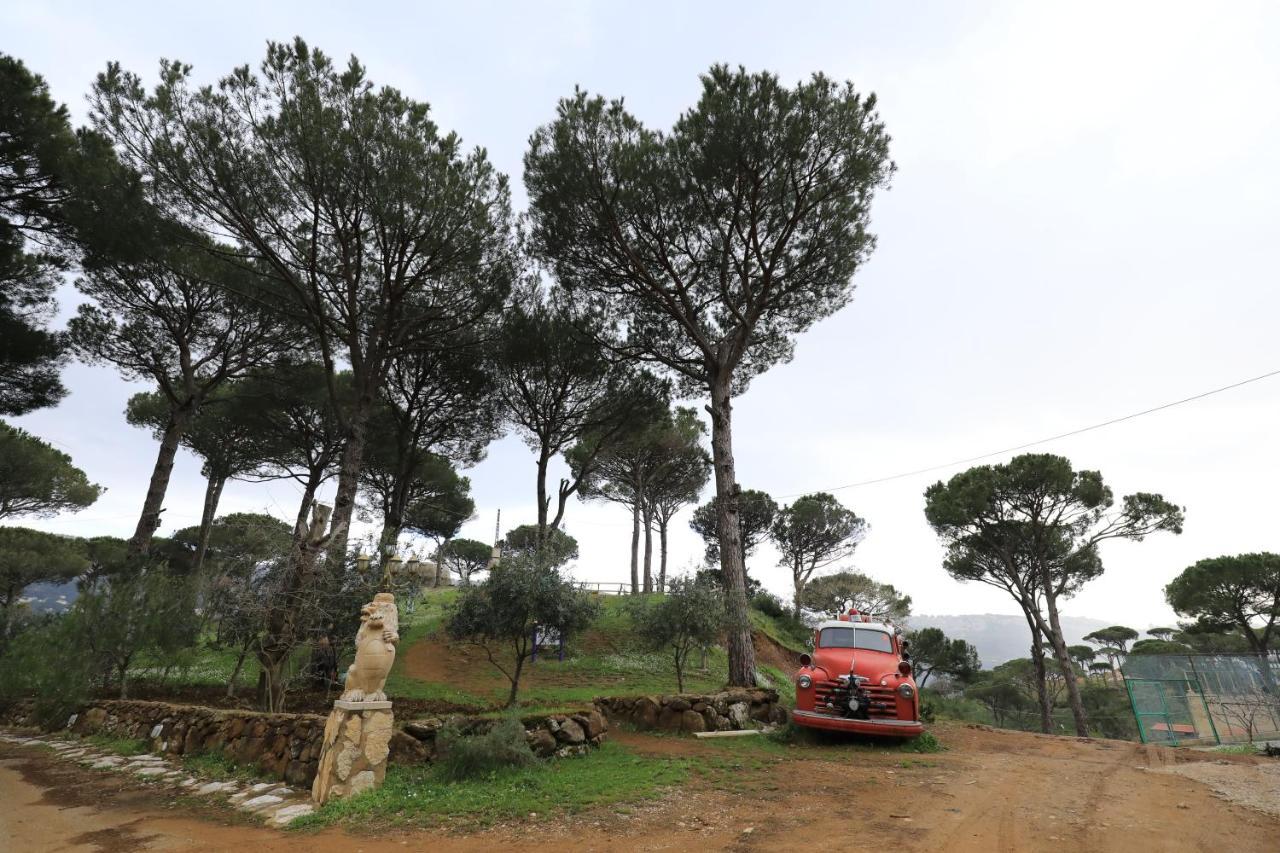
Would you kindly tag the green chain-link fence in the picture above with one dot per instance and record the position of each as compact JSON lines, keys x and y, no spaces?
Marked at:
{"x":1195,"y":699}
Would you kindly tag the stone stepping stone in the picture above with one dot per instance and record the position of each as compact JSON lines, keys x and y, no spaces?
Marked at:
{"x":263,"y":787}
{"x":152,"y":771}
{"x":109,"y":761}
{"x":146,"y":759}
{"x":286,"y":815}
{"x":261,"y":802}
{"x":216,"y":787}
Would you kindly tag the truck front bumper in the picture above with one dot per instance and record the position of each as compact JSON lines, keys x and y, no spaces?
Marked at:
{"x":883,"y":728}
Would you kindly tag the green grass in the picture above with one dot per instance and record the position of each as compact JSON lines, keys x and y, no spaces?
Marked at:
{"x":216,"y":765}
{"x":1238,"y":749}
{"x":416,"y":796}
{"x":119,"y":745}
{"x":790,"y":636}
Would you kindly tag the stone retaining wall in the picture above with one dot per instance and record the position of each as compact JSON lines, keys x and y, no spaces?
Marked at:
{"x":730,"y":710}
{"x":548,"y":735}
{"x":283,"y":746}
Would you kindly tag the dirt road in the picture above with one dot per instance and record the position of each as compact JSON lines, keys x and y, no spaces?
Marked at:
{"x":991,"y":791}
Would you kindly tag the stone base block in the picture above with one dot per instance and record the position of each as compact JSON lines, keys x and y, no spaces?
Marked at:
{"x":354,"y":749}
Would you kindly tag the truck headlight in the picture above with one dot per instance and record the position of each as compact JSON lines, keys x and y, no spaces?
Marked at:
{"x":804,"y":682}
{"x":906,"y":691}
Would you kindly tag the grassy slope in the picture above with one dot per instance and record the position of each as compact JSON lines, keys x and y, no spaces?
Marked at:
{"x":605,"y":660}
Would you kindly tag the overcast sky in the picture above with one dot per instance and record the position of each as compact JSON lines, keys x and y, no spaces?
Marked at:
{"x":1083,"y":225}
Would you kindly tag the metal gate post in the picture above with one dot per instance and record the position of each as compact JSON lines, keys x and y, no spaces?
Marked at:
{"x":1133,"y":706}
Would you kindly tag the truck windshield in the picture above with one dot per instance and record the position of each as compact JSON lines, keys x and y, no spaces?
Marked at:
{"x":855,"y":638}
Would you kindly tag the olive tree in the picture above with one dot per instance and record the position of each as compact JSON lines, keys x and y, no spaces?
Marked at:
{"x":713,"y":244}
{"x":690,"y":616}
{"x":501,"y":613}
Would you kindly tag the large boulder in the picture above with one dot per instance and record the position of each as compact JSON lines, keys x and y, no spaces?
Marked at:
{"x":571,"y":733}
{"x":691,"y":721}
{"x":542,"y":742}
{"x":644,"y":714}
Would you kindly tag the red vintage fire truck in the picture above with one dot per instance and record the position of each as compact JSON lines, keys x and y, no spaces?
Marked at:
{"x":858,"y":679}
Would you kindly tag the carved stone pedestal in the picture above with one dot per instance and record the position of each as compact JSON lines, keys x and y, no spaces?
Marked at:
{"x":353,"y":755}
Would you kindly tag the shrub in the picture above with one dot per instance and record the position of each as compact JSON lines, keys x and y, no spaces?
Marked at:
{"x":770,"y":605}
{"x":462,"y":757}
{"x":45,"y":664}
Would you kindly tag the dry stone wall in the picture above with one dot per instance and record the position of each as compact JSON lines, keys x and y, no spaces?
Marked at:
{"x":551,"y":735}
{"x":731,"y":710}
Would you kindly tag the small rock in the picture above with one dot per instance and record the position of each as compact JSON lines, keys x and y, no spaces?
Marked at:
{"x":151,"y":771}
{"x":261,"y":802}
{"x":288,"y":814}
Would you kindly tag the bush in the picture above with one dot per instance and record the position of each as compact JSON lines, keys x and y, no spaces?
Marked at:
{"x":770,"y":605}
{"x":462,"y":757}
{"x":45,"y":663}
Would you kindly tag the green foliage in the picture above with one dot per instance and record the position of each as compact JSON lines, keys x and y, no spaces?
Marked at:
{"x":32,"y":556}
{"x":1160,"y":647}
{"x":1240,"y":593}
{"x":1082,"y":655}
{"x":566,"y":394}
{"x":38,"y":480}
{"x":690,"y":616}
{"x":926,"y":742}
{"x":557,"y":547}
{"x":464,"y":558}
{"x":785,"y":630}
{"x":41,"y":663}
{"x":756,"y":512}
{"x":1001,"y":695}
{"x":769,"y":604}
{"x":625,"y":214}
{"x":460,"y":757}
{"x":418,"y":795}
{"x":813,"y":532}
{"x":216,"y":764}
{"x":933,"y":651}
{"x":53,"y":184}
{"x":119,"y":745}
{"x":146,"y":609}
{"x":831,"y":594}
{"x":1110,"y":713}
{"x":1117,"y":637}
{"x":500,"y":613}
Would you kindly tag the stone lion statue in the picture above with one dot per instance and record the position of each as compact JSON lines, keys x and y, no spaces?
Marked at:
{"x":375,"y":650}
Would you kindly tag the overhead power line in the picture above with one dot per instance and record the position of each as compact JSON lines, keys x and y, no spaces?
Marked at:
{"x":1040,"y":441}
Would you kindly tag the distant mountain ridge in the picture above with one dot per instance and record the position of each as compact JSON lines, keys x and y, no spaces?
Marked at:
{"x":1000,"y":637}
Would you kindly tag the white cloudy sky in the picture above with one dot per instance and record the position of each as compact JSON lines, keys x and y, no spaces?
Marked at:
{"x":1083,"y":225}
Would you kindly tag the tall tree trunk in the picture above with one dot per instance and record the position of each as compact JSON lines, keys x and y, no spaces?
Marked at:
{"x":1053,"y":631}
{"x":663,"y":522}
{"x":635,"y":548}
{"x":648,"y":550}
{"x":349,"y":467}
{"x":798,"y":584}
{"x":1042,"y":677}
{"x":543,"y":460}
{"x":742,"y":654}
{"x":149,"y":520}
{"x":212,"y":495}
